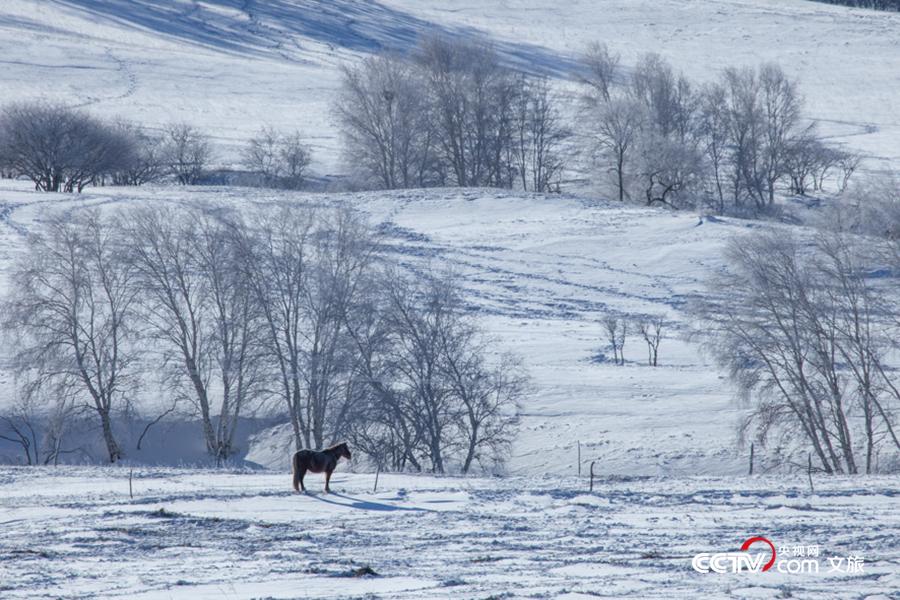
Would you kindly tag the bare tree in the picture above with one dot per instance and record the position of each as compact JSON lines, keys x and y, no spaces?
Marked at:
{"x":384,"y":116}
{"x":472,"y":98}
{"x":712,"y":133}
{"x":145,"y":164}
{"x":651,"y":331}
{"x":667,"y":170}
{"x":341,"y":251}
{"x":20,"y":427}
{"x":71,"y":309}
{"x":616,"y":331}
{"x":201,"y":310}
{"x":305,"y":268}
{"x":295,"y":157}
{"x":666,"y":98}
{"x":60,"y":149}
{"x":615,"y":128}
{"x":186,"y":153}
{"x":600,"y":71}
{"x":806,"y":341}
{"x":781,"y":112}
{"x":279,"y":160}
{"x":847,"y":162}
{"x":454,"y":399}
{"x":807,"y":162}
{"x":488,"y":396}
{"x":261,"y":155}
{"x":386,"y":426}
{"x":539,"y":135}
{"x":276,"y":261}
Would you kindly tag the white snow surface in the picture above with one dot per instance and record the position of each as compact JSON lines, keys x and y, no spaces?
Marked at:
{"x":231,"y":66}
{"x":75,"y":533}
{"x":540,"y":274}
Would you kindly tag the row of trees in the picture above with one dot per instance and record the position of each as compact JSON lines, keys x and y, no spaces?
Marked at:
{"x":810,"y":335}
{"x":730,"y":145}
{"x":292,"y":308}
{"x":451,"y":114}
{"x":890,"y":5}
{"x":63,"y":149}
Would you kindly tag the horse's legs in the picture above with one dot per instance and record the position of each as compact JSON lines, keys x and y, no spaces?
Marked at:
{"x":327,"y":480}
{"x":302,"y":475}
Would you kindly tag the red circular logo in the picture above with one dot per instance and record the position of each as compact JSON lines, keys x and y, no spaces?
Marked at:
{"x":749,"y":542}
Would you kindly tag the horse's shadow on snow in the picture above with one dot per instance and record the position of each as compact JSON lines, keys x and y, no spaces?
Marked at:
{"x":358,"y":503}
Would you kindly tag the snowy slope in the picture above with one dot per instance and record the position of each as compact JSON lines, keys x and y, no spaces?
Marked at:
{"x":542,"y":272}
{"x":230,"y":66}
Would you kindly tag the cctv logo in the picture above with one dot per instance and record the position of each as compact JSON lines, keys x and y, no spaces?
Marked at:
{"x":736,"y":562}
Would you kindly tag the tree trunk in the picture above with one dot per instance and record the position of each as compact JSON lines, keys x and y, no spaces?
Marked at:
{"x":112,"y":447}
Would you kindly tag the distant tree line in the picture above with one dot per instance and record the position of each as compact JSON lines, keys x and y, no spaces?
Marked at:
{"x":890,"y":5}
{"x":291,"y":306}
{"x":450,"y":114}
{"x":453,"y":114}
{"x":62,"y":149}
{"x":729,"y":146}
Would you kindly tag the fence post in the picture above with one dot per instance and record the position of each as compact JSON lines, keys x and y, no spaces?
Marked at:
{"x":377,"y":472}
{"x":592,"y":475}
{"x":579,"y":457}
{"x":809,"y":471}
{"x":751,"y":458}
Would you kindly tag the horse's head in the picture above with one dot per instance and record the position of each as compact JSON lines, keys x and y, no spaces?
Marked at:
{"x":345,"y":450}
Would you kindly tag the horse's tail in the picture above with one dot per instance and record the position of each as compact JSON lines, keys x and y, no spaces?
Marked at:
{"x":295,"y":467}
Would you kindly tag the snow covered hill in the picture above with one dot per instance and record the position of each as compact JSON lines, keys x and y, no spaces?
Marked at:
{"x":542,"y":272}
{"x":231,"y":66}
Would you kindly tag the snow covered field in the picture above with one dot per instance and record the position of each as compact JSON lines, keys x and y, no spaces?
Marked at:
{"x":541,"y":272}
{"x":230,"y":66}
{"x":198,"y":535}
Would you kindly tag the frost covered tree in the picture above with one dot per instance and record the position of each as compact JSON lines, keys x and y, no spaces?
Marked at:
{"x":437,"y":398}
{"x":59,"y":148}
{"x":805,"y":335}
{"x":538,"y":137}
{"x":384,"y":117}
{"x":279,"y":160}
{"x":186,"y":152}
{"x":600,"y":72}
{"x":71,"y":309}
{"x":200,"y":310}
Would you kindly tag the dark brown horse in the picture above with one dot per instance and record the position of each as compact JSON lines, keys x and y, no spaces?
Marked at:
{"x":317,"y":461}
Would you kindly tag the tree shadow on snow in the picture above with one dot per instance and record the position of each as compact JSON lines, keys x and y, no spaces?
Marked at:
{"x":278,"y":27}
